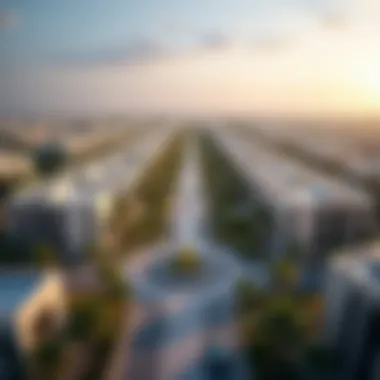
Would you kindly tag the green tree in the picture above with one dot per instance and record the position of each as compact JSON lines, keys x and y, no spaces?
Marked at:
{"x":279,"y":340}
{"x":45,"y":359}
{"x":268,"y":366}
{"x":82,"y":319}
{"x":46,"y":255}
{"x":322,"y":361}
{"x":280,"y":326}
{"x":285,"y":274}
{"x":49,"y":158}
{"x":248,"y":296}
{"x":47,"y":352}
{"x":187,"y":261}
{"x":114,"y":282}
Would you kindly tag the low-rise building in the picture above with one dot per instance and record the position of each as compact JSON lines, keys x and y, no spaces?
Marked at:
{"x":24,"y":297}
{"x":352,"y":311}
{"x":317,"y":212}
{"x":71,"y":213}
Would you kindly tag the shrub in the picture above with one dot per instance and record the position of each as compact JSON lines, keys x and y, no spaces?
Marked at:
{"x":285,"y":273}
{"x":187,"y":261}
{"x":248,"y":296}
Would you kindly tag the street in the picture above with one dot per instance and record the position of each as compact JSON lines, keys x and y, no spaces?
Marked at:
{"x":183,"y":320}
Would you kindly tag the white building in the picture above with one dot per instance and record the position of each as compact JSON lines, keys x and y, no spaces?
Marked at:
{"x":69,"y":213}
{"x":317,"y":211}
{"x":352,"y":311}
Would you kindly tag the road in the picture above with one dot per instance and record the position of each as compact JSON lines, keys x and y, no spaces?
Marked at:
{"x":181,"y":320}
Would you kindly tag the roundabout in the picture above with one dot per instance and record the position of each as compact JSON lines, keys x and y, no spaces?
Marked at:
{"x":190,"y":281}
{"x":208,"y":272}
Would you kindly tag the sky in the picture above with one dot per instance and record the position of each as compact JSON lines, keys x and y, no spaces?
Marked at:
{"x":293,"y":57}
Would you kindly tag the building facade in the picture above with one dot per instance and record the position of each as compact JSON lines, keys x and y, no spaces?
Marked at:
{"x":352,"y":311}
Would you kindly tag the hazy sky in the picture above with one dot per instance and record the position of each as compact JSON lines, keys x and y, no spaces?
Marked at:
{"x":270,"y":56}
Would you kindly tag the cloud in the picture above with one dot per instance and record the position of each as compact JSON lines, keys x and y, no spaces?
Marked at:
{"x":135,"y":52}
{"x":356,"y":12}
{"x":9,"y":19}
{"x":143,"y":51}
{"x":272,"y":43}
{"x":173,"y":25}
{"x":215,"y":41}
{"x":334,"y":21}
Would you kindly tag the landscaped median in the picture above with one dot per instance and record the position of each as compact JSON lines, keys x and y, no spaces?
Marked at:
{"x":141,"y":218}
{"x":238,"y":217}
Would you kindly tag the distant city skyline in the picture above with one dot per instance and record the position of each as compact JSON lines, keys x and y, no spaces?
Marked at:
{"x":276,"y":57}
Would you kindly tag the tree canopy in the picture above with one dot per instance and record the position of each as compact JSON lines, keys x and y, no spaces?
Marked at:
{"x":49,"y":157}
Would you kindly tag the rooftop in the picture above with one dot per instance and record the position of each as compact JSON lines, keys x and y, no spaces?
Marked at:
{"x":107,"y":175}
{"x":278,"y":175}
